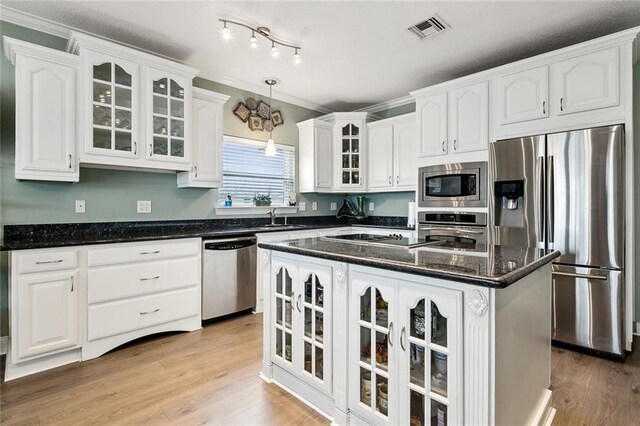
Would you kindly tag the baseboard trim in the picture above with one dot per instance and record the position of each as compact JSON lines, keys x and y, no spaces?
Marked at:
{"x":4,"y":345}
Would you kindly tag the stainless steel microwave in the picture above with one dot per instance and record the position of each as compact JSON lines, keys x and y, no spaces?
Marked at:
{"x":453,"y":185}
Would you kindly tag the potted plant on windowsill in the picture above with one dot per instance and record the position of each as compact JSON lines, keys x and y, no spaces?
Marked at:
{"x":261,"y":200}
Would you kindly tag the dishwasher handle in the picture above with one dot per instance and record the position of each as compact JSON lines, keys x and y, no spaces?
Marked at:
{"x":229,"y":244}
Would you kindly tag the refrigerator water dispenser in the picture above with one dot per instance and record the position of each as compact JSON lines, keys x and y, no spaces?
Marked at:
{"x":509,"y":203}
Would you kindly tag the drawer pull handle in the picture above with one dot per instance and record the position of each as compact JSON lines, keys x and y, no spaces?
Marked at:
{"x":149,"y":252}
{"x":150,"y":278}
{"x":402,"y":337}
{"x":391,"y":334}
{"x":149,"y":312}
{"x":49,"y":261}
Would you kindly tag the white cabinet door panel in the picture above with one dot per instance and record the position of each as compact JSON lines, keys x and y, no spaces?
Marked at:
{"x":432,"y":127}
{"x":587,"y":82}
{"x":380,"y":156}
{"x":469,"y":117}
{"x":405,"y":153}
{"x":47,"y":312}
{"x":523,"y":96}
{"x":323,"y":141}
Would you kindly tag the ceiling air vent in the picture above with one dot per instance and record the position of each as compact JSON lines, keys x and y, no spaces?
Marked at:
{"x":429,"y":27}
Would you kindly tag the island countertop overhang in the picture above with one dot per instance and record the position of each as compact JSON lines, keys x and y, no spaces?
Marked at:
{"x":497,"y":267}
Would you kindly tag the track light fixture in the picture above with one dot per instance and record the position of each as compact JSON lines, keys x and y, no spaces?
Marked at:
{"x":264,"y":32}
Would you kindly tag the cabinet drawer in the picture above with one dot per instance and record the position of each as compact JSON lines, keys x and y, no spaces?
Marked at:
{"x":133,"y":314}
{"x":118,"y":282}
{"x":46,"y":261}
{"x":125,"y":253}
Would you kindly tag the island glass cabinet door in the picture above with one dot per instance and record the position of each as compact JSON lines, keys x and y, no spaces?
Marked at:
{"x":301,"y":315}
{"x":284,"y":274}
{"x":430,"y":357}
{"x":314,"y":309}
{"x":372,"y":378}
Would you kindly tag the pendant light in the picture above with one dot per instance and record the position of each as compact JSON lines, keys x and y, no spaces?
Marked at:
{"x":270,"y":150}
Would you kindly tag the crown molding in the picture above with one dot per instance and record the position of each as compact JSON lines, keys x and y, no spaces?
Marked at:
{"x":64,"y":31}
{"x":34,"y":22}
{"x":262,"y":89}
{"x":383,"y":106}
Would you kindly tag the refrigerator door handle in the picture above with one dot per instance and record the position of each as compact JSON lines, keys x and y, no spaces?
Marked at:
{"x":550,"y":200}
{"x":539,"y":196}
{"x":586,"y":276}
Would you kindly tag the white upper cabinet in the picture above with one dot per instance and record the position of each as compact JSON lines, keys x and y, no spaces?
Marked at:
{"x":392,"y":147}
{"x":206,"y":138}
{"x":380,"y":156}
{"x":350,"y":150}
{"x":46,"y":129}
{"x":587,"y":82}
{"x":522,"y":96}
{"x":469,"y":118}
{"x":315,"y":147}
{"x":135,"y":106}
{"x":432,"y":125}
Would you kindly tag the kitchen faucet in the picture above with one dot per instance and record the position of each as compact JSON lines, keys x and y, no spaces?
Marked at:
{"x":272,"y":215}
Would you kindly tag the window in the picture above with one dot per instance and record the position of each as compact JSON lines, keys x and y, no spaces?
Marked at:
{"x":247,"y":171}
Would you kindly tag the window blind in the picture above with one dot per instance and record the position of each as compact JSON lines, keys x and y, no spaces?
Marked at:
{"x":247,"y":171}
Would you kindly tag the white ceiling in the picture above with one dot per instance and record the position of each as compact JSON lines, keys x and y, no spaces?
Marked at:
{"x":355,"y":53}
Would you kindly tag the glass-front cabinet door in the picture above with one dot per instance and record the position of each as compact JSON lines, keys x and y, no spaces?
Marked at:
{"x":372,"y":375}
{"x":431,"y":360}
{"x":283,"y":314}
{"x":315,"y":309}
{"x":168,"y":115}
{"x":113,"y":107}
{"x":349,"y":151}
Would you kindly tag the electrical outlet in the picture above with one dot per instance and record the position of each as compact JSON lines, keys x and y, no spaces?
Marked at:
{"x":80,"y":206}
{"x":334,"y":206}
{"x":144,"y":206}
{"x":314,"y":205}
{"x":371,"y":206}
{"x":302,"y":206}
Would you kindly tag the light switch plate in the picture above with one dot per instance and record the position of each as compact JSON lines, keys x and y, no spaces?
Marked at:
{"x":144,"y":206}
{"x":334,"y":206}
{"x":302,"y":206}
{"x":314,"y":205}
{"x":371,"y":206}
{"x":81,"y":206}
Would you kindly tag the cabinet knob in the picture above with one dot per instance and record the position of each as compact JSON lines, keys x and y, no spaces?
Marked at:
{"x":195,"y":170}
{"x":443,"y":144}
{"x":389,"y":180}
{"x":455,"y":144}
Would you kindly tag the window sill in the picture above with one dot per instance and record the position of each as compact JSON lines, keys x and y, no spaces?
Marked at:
{"x":253,"y":210}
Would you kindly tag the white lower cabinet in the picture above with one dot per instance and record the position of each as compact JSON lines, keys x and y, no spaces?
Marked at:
{"x":76,"y":303}
{"x":300,"y":315}
{"x":405,"y":360}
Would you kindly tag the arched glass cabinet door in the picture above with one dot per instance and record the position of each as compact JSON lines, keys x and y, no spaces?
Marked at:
{"x":113,"y":114}
{"x":350,"y":154}
{"x":430,"y":350}
{"x":168,"y":121}
{"x":283,"y":306}
{"x":371,"y":349}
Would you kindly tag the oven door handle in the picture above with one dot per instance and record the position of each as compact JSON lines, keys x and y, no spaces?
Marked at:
{"x":456,"y":230}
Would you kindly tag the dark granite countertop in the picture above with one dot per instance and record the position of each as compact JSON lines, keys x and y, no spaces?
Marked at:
{"x":498,"y":267}
{"x":22,"y":237}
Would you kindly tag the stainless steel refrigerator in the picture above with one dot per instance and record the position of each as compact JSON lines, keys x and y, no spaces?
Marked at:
{"x":565,"y":191}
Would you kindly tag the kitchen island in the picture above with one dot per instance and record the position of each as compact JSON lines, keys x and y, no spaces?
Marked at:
{"x":388,"y":335}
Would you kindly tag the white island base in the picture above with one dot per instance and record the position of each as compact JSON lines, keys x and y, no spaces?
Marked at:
{"x":476,"y":356}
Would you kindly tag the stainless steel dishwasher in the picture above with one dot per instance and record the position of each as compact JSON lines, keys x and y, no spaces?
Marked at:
{"x":228,"y":276}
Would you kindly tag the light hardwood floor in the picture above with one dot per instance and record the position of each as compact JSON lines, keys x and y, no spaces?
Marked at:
{"x":211,"y":376}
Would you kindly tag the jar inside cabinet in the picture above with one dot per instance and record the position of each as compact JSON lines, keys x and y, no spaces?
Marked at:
{"x":168,"y":118}
{"x":112,"y":108}
{"x":374,"y":351}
